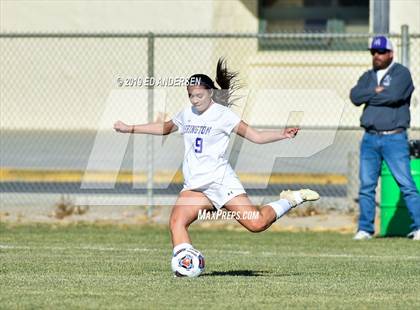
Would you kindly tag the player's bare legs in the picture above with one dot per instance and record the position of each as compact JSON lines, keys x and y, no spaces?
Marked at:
{"x":241,"y":205}
{"x":185,"y":212}
{"x":267,"y":214}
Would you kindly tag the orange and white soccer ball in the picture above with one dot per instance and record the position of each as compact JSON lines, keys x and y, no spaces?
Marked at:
{"x":188,"y":263}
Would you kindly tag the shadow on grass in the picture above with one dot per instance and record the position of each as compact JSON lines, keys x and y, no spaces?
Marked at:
{"x":247,"y":273}
{"x":239,"y":273}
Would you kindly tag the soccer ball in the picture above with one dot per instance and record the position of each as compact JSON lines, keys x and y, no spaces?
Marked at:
{"x":188,"y":263}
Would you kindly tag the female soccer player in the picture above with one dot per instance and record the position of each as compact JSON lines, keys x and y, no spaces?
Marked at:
{"x":209,"y":181}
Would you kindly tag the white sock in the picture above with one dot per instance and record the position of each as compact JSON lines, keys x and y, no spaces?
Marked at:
{"x":298,"y":197}
{"x":281,"y":207}
{"x":182,"y":246}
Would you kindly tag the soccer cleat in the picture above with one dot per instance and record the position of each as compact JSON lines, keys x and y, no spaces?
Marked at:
{"x":415,"y":234}
{"x":295,"y":198}
{"x":362,"y":235}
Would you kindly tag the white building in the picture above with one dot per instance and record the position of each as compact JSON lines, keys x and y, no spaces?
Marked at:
{"x":52,"y":83}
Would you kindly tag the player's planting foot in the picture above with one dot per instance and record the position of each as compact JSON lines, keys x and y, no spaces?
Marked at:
{"x":295,"y":198}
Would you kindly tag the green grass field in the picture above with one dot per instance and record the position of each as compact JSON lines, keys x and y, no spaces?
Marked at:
{"x":88,"y":266}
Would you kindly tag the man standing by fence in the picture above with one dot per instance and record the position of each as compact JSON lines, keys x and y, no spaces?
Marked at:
{"x":386,"y":92}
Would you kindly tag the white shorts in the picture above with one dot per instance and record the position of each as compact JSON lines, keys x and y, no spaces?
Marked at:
{"x":219,"y":193}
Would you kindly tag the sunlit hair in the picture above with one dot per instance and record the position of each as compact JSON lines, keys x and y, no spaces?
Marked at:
{"x":226,"y":80}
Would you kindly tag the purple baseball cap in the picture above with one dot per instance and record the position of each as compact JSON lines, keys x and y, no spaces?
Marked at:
{"x":381,"y":43}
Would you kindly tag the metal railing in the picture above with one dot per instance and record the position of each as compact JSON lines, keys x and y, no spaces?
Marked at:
{"x":55,"y":87}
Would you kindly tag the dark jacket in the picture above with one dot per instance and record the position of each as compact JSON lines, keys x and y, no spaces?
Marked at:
{"x":389,"y":109}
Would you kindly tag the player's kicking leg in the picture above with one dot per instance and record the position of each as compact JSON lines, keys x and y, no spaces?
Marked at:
{"x":267,"y":214}
{"x":295,"y":198}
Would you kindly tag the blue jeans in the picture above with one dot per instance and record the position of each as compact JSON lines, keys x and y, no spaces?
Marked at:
{"x":394,"y":150}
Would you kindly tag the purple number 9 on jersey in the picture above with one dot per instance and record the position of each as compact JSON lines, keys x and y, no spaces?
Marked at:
{"x":198,"y":145}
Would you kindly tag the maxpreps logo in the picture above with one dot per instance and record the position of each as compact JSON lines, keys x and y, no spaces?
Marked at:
{"x":227,"y":215}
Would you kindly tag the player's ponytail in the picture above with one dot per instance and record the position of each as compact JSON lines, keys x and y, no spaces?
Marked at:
{"x":228,"y":84}
{"x":226,"y":80}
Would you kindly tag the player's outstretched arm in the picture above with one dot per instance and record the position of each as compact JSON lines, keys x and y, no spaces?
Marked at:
{"x":159,"y":128}
{"x":264,"y":136}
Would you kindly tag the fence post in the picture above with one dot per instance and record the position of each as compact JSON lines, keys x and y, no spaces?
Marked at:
{"x":352,"y":179}
{"x":405,"y":46}
{"x":150,"y":103}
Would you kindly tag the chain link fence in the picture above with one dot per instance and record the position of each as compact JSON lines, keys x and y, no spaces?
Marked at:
{"x":61,"y":93}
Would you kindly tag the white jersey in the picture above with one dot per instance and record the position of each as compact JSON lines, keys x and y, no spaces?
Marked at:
{"x":206,"y":138}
